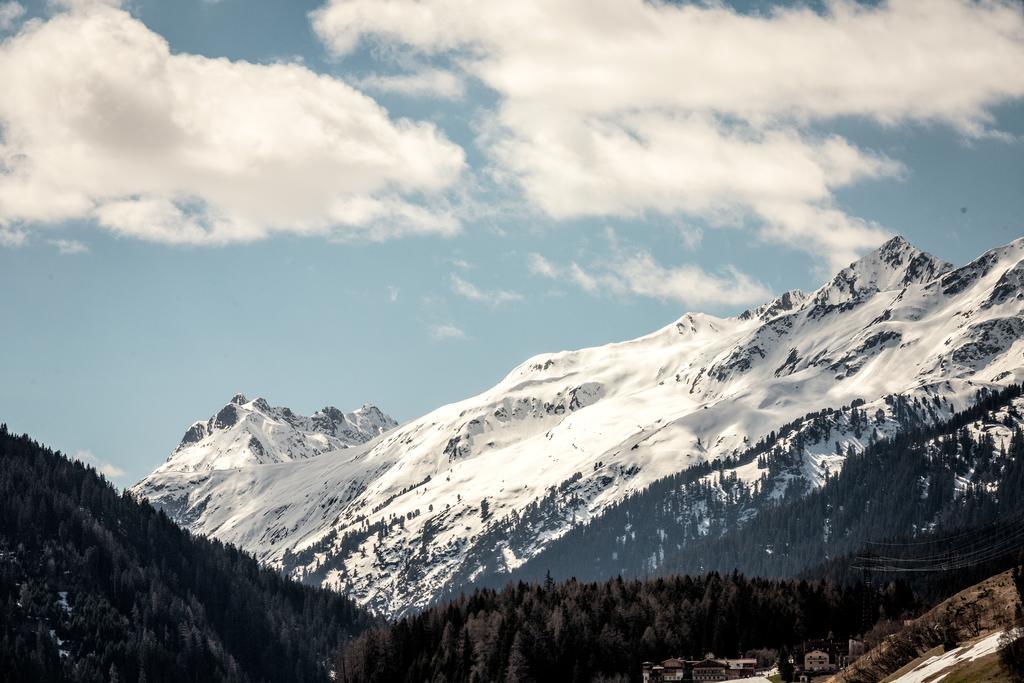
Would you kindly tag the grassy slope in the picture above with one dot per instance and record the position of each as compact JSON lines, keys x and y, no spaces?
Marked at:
{"x":987,"y":669}
{"x":974,"y":612}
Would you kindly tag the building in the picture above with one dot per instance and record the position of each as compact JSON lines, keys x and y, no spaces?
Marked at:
{"x":675,"y":669}
{"x":711,"y":669}
{"x":840,"y":654}
{"x":652,"y":673}
{"x":742,"y":668}
{"x":854,"y":650}
{"x":672,"y":669}
{"x":820,"y":657}
{"x":817,"y":661}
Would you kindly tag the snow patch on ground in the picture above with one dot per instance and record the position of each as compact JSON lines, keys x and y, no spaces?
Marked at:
{"x":935,"y":669}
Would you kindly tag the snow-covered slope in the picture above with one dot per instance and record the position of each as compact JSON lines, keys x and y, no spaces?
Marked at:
{"x":402,"y":518}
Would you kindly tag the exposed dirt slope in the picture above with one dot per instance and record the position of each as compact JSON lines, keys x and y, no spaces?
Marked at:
{"x":967,"y":617}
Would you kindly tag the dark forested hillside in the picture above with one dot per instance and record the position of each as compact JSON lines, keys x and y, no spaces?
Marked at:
{"x":575,"y":631}
{"x":924,"y":480}
{"x":96,"y":586}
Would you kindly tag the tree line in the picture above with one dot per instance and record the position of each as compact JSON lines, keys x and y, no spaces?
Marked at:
{"x":602,"y":631}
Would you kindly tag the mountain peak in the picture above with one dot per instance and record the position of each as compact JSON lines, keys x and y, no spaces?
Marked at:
{"x":368,"y":419}
{"x":369,"y":409}
{"x":792,"y":299}
{"x":898,"y":263}
{"x":895,"y":264}
{"x":253,"y":432}
{"x":896,"y":242}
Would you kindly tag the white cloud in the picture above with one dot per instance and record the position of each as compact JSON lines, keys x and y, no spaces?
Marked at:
{"x":539,"y":265}
{"x":588,"y":282}
{"x":82,"y":4}
{"x":393,"y":293}
{"x":623,"y":107}
{"x":492,"y":297}
{"x":12,"y":236}
{"x":689,"y":284}
{"x":437,"y":83}
{"x":446,"y":331}
{"x":691,"y":236}
{"x":69,"y":247}
{"x":107,"y":469}
{"x":10,"y":13}
{"x":101,"y":121}
{"x":637,"y":273}
{"x":942,"y":60}
{"x":690,"y":165}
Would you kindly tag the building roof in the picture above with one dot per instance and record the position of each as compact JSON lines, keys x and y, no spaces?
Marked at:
{"x":710,"y":664}
{"x":742,"y":661}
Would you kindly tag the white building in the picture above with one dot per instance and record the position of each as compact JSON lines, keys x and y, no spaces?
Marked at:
{"x":817,"y":660}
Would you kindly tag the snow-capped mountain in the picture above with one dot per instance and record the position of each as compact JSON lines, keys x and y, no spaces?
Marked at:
{"x":468,"y":488}
{"x":246,"y":432}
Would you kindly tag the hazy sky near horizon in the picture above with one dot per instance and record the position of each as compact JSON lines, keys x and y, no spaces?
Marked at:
{"x":336,"y":202}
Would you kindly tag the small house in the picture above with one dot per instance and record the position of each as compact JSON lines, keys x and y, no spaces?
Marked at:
{"x":816,"y":661}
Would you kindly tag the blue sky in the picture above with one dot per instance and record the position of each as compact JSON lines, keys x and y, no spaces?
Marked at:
{"x":136,"y":299}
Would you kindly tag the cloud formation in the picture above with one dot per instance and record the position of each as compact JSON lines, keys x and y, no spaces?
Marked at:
{"x":623,"y":107}
{"x":637,"y":273}
{"x":102,"y":122}
{"x":492,"y":297}
{"x":437,"y":83}
{"x":107,"y":469}
{"x":691,"y":236}
{"x":446,"y":331}
{"x":67,"y":247}
{"x":10,"y":12}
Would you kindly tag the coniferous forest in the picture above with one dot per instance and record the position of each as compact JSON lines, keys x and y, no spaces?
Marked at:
{"x":96,"y":586}
{"x":576,"y":631}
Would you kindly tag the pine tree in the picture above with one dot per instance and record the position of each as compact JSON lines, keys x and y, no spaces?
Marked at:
{"x":518,"y":666}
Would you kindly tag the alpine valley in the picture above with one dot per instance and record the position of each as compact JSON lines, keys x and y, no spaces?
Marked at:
{"x":773,"y":401}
